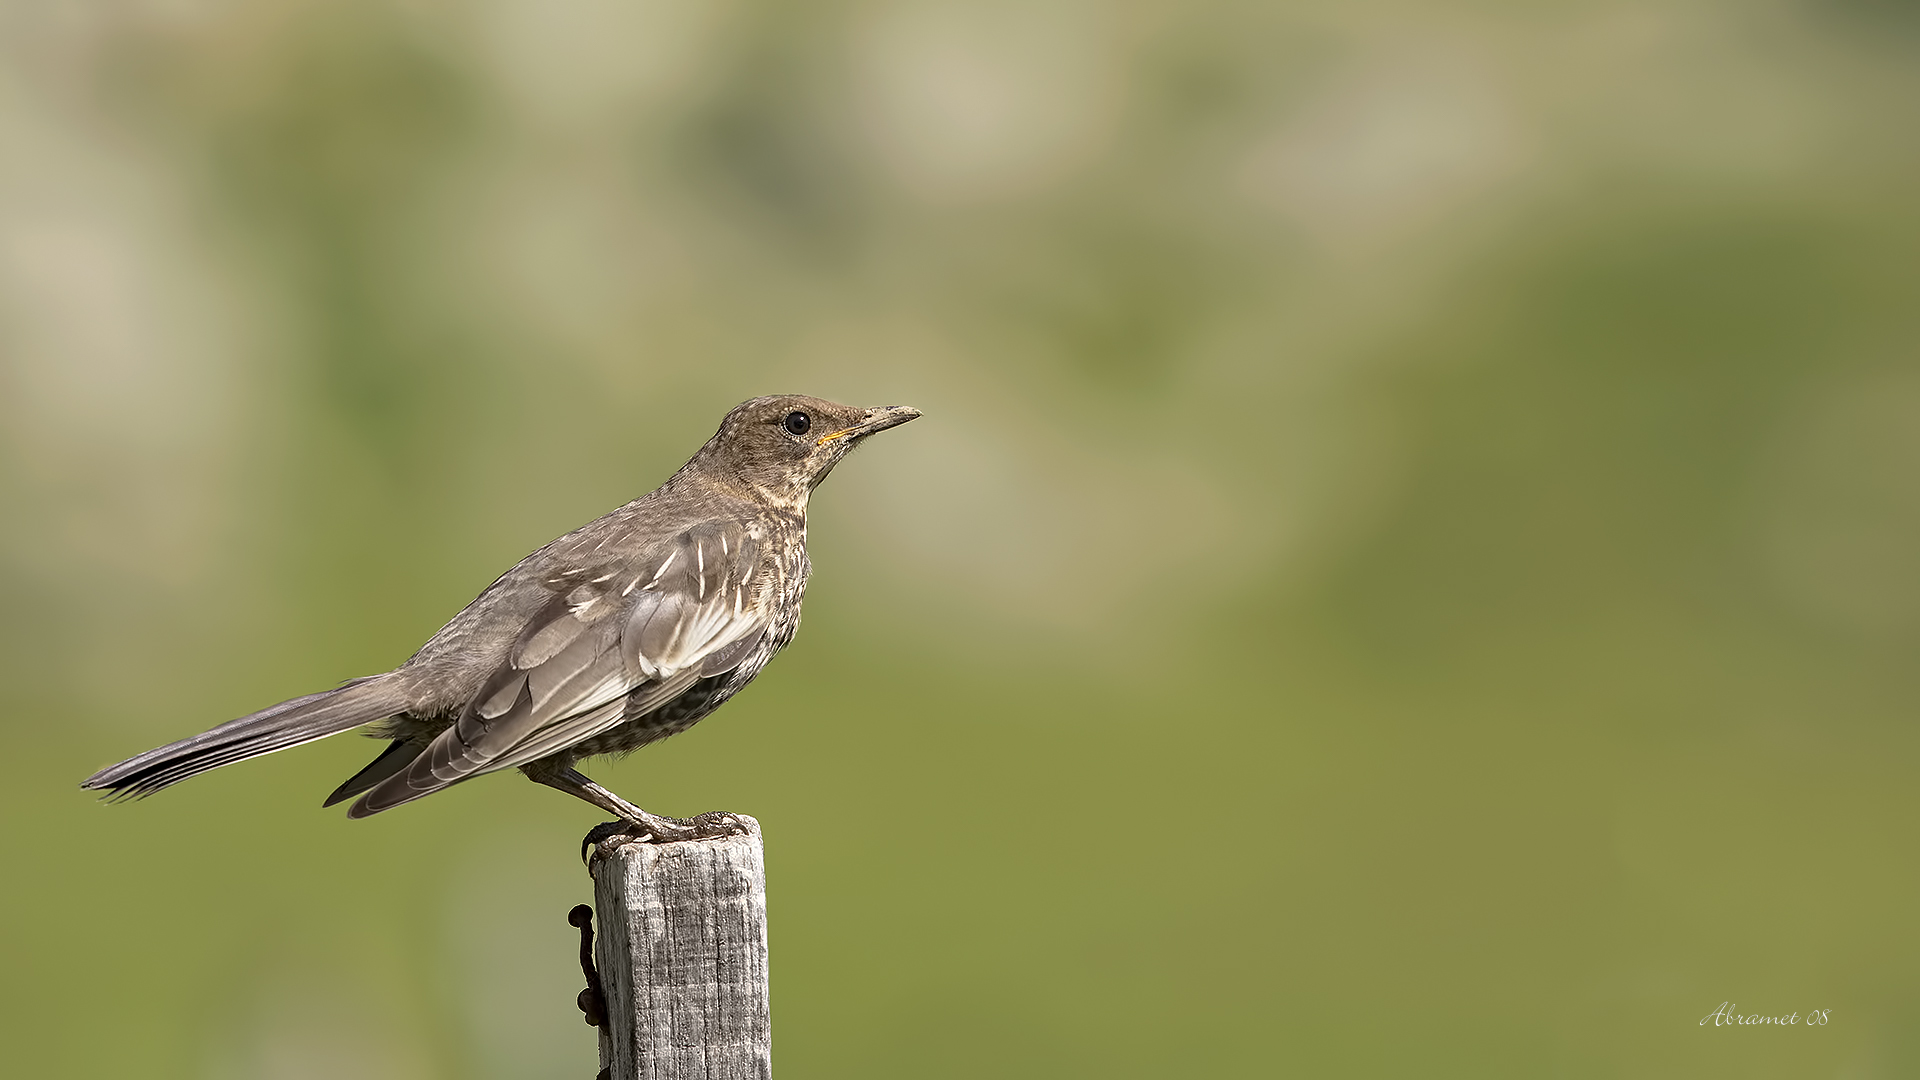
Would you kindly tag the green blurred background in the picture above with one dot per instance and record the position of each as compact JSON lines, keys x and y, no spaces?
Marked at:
{"x":1411,"y":566}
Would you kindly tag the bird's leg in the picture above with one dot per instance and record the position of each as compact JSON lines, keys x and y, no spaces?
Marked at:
{"x":649,"y":827}
{"x":634,"y":822}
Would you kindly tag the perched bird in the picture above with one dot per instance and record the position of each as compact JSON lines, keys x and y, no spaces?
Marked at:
{"x":624,"y":631}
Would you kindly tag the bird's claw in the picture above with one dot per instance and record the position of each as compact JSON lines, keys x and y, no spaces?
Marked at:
{"x":600,"y":834}
{"x":716,"y":824}
{"x":712,"y":825}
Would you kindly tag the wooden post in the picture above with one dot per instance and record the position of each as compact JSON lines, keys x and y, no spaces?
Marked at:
{"x":682,"y":953}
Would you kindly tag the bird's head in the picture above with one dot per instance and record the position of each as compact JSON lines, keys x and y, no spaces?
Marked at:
{"x":779,"y":448}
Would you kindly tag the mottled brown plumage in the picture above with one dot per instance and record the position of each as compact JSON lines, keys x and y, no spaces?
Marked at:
{"x":626,"y":630}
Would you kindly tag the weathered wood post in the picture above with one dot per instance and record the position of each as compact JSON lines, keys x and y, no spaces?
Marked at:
{"x":682,"y":957}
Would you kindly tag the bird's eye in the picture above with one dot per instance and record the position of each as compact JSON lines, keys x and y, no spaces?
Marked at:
{"x":798,"y":423}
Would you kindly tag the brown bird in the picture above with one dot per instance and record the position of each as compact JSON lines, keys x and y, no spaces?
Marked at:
{"x":627,"y":630}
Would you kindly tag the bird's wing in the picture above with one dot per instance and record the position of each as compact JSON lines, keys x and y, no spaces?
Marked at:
{"x":611,"y":644}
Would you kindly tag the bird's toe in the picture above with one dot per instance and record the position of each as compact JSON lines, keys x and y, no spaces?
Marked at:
{"x":715,"y":824}
{"x":606,"y":831}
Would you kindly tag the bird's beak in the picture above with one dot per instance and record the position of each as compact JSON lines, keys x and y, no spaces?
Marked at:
{"x":879,"y":419}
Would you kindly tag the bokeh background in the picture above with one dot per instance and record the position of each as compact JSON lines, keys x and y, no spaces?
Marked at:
{"x":1411,"y":566}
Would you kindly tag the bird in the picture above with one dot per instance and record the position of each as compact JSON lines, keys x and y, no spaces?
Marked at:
{"x":624,"y":631}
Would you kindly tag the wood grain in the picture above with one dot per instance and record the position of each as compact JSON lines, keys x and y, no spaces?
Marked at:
{"x":682,"y":953}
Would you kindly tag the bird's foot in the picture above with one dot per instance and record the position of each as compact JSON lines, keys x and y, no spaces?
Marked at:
{"x":653,"y":829}
{"x":718,"y":824}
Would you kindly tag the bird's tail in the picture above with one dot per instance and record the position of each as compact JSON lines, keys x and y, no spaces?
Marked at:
{"x":289,"y":723}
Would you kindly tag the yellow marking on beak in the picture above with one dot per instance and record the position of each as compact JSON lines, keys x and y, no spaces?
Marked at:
{"x":877,"y":420}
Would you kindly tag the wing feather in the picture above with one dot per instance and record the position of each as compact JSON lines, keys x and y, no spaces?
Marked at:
{"x":627,"y":641}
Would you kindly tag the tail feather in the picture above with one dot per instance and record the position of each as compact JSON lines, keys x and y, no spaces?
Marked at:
{"x":393,"y":759}
{"x":288,"y":724}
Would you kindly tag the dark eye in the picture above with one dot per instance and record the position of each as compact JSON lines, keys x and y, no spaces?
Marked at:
{"x":798,"y":423}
